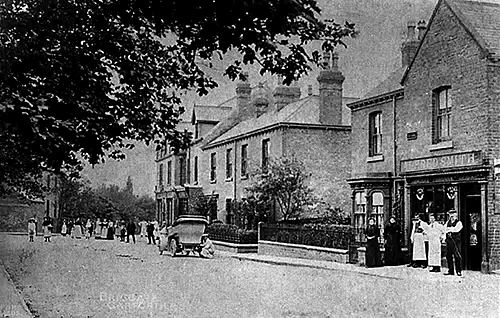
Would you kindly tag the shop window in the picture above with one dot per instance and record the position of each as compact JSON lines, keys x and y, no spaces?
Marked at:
{"x":375,"y":142}
{"x":378,"y":211}
{"x":360,"y":216}
{"x":442,"y":114}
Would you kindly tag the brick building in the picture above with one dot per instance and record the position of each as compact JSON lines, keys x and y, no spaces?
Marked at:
{"x":264,"y":124}
{"x":430,"y":144}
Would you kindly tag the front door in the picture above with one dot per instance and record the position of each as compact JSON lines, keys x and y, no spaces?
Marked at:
{"x":471,"y":220}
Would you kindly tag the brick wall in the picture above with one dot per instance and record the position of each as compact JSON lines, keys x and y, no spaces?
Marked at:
{"x":326,"y":156}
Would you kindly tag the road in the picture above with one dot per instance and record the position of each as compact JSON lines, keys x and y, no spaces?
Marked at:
{"x":80,"y":278}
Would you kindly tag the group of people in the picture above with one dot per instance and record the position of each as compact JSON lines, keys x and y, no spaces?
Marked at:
{"x":426,"y":239}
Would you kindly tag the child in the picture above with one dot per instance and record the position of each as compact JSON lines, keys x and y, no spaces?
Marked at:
{"x":31,"y":229}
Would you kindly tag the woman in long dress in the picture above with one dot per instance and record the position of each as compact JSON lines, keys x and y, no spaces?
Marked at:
{"x":111,"y":231}
{"x":372,"y":234}
{"x":47,"y":228}
{"x":64,"y":229}
{"x":392,"y":236}
{"x":78,"y":228}
{"x":88,"y":229}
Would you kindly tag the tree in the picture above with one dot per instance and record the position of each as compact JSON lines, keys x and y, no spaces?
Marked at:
{"x":129,"y":186}
{"x":82,"y":78}
{"x":284,"y":182}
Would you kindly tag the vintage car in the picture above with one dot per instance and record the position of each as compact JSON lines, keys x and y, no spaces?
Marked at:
{"x":184,"y":235}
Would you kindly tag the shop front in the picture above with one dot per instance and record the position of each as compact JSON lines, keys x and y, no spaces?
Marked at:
{"x":438,"y":184}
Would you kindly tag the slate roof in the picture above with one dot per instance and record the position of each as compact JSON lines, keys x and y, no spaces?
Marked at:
{"x":303,"y":111}
{"x":482,"y":18}
{"x":390,"y":84}
{"x":209,"y":113}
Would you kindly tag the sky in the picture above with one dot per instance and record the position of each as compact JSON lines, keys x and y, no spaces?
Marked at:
{"x":368,"y":59}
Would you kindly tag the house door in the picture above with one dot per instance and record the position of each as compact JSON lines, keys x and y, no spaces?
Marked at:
{"x":471,"y":220}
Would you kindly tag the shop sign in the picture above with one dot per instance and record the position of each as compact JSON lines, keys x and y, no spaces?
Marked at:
{"x":465,"y":159}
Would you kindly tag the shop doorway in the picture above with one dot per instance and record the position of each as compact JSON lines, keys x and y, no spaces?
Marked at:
{"x":471,"y":220}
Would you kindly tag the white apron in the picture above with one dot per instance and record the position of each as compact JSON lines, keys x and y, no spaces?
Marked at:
{"x":434,"y":232}
{"x":418,"y":247}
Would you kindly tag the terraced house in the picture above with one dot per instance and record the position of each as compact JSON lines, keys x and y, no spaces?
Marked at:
{"x":427,"y":139}
{"x":263,"y":124}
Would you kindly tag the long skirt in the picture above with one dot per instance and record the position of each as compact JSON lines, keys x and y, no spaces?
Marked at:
{"x":111,"y":233}
{"x":78,"y":231}
{"x":392,"y":253}
{"x":47,"y":232}
{"x":64,"y":230}
{"x":372,"y":253}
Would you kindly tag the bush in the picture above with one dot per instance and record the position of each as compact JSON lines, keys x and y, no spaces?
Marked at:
{"x":322,"y":235}
{"x":231,"y":233}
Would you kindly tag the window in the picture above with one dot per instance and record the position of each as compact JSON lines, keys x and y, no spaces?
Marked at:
{"x":213,"y":167}
{"x":442,"y":111}
{"x":195,"y":172}
{"x":47,"y":208}
{"x":229,"y":205}
{"x":244,"y":160}
{"x":265,"y":155}
{"x":160,"y":174}
{"x":360,"y":216}
{"x":229,"y":163}
{"x":375,"y":134}
{"x":378,"y":211}
{"x":48,"y":181}
{"x":188,"y":171}
{"x":212,"y":202}
{"x":196,"y":131}
{"x":170,"y":211}
{"x":182,"y":171}
{"x":169,"y":172}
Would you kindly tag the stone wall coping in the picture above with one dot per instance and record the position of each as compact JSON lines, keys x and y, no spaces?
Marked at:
{"x":234,"y":245}
{"x":307,"y":247}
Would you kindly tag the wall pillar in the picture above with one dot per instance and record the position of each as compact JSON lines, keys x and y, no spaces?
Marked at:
{"x":485,"y":263}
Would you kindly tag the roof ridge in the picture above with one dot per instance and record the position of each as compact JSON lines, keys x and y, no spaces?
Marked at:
{"x":299,"y":107}
{"x":493,"y":4}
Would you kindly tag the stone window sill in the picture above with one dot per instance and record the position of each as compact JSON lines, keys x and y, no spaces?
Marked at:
{"x":213,"y":181}
{"x":229,"y":179}
{"x":375,"y":158}
{"x":441,"y":145}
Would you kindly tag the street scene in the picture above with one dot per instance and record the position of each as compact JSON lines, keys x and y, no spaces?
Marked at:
{"x":78,"y":278}
{"x":251,"y":158}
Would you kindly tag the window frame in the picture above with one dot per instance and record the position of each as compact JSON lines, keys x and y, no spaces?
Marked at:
{"x":213,"y":167}
{"x":169,"y":172}
{"x":375,"y":134}
{"x":360,"y":214}
{"x":160,"y":174}
{"x":265,"y":155}
{"x":440,"y":113}
{"x":195,"y":173}
{"x":244,"y":161}
{"x":229,"y":163}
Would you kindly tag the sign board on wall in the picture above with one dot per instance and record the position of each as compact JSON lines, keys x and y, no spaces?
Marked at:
{"x":464,"y":159}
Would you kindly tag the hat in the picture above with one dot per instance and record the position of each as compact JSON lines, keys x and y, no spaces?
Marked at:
{"x":452,"y":212}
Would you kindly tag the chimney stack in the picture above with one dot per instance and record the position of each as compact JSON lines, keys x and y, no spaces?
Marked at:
{"x":243,"y":92}
{"x":330,"y":82}
{"x":309,"y":90}
{"x":421,"y":29}
{"x":410,"y":45}
{"x":284,"y":95}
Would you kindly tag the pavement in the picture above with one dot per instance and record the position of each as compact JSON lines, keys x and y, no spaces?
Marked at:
{"x":11,"y":302}
{"x":401,"y":272}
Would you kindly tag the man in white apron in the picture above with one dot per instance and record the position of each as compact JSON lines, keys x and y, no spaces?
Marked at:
{"x":434,"y":232}
{"x":417,"y":238}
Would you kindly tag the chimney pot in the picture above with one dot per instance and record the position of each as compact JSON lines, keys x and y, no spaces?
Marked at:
{"x":309,"y":90}
{"x":410,"y":35}
{"x":421,"y":29}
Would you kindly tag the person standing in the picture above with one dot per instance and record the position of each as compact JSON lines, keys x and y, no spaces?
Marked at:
{"x":47,"y":228}
{"x":35,"y":220}
{"x":453,"y":230}
{"x":31,"y":229}
{"x":64,"y":228}
{"x":143,"y":225}
{"x":434,"y":232}
{"x":131,"y":231}
{"x":78,"y":229}
{"x":417,"y":238}
{"x":372,"y":234}
{"x":150,"y":229}
{"x":111,"y":230}
{"x":392,"y":236}
{"x":88,"y":228}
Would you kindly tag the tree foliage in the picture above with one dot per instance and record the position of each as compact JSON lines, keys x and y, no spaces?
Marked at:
{"x":82,"y":78}
{"x":285,"y":183}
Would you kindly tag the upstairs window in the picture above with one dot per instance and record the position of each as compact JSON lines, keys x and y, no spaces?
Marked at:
{"x":213,"y":167}
{"x":442,"y":114}
{"x":229,"y":163}
{"x":244,"y":161}
{"x":160,"y":174}
{"x":195,"y":172}
{"x":375,"y":141}
{"x":265,"y":155}
{"x":169,"y":172}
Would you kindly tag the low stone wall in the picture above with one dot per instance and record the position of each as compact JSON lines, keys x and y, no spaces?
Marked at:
{"x":362,"y":255}
{"x":235,"y":248}
{"x":303,"y":251}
